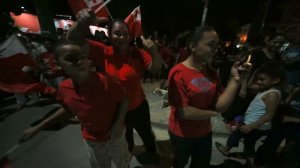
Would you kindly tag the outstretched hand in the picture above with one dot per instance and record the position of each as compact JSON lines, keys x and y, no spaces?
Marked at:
{"x":29,"y":133}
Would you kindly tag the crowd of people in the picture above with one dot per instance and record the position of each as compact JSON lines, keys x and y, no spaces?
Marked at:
{"x":99,"y":81}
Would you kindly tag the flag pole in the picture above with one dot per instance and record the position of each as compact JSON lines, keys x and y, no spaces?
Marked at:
{"x":102,"y":5}
{"x":110,"y":15}
{"x":204,"y":14}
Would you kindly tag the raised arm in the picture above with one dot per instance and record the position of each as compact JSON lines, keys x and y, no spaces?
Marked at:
{"x":80,"y":29}
{"x":152,"y":48}
{"x":229,"y":93}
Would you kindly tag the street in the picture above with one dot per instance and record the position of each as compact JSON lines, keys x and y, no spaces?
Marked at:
{"x":65,"y":148}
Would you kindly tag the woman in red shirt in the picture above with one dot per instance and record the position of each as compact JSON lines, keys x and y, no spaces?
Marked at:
{"x":195,"y":97}
{"x":127,"y":64}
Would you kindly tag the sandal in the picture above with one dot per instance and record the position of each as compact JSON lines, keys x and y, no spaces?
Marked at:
{"x":220,"y":148}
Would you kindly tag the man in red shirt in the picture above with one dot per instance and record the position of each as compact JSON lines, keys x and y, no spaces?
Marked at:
{"x":99,"y":102}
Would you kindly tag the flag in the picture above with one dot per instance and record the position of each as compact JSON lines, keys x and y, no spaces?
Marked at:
{"x":134,"y":22}
{"x":14,"y":59}
{"x":77,"y":5}
{"x":12,"y":46}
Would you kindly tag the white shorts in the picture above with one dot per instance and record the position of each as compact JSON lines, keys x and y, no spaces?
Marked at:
{"x":101,"y":154}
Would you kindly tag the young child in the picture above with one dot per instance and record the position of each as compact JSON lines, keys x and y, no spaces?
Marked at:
{"x":257,"y":119}
{"x":100,"y":103}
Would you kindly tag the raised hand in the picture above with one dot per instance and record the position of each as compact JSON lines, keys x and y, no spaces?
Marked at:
{"x":147,"y":42}
{"x":238,"y":71}
{"x":86,"y":17}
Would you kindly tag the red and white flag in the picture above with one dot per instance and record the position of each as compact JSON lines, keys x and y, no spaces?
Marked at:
{"x":77,"y":5}
{"x":14,"y":59}
{"x":134,"y":22}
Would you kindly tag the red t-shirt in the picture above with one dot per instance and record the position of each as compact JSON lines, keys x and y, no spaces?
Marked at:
{"x":94,"y":102}
{"x":126,"y":68}
{"x":189,"y":87}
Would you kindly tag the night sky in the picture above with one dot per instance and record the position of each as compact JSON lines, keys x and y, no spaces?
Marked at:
{"x":174,"y":16}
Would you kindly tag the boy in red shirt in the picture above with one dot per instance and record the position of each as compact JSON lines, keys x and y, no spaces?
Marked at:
{"x":100,"y":103}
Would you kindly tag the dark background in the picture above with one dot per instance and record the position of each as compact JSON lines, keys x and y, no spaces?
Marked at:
{"x":173,"y":16}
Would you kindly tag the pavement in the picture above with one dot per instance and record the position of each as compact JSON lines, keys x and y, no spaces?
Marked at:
{"x":64,"y":148}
